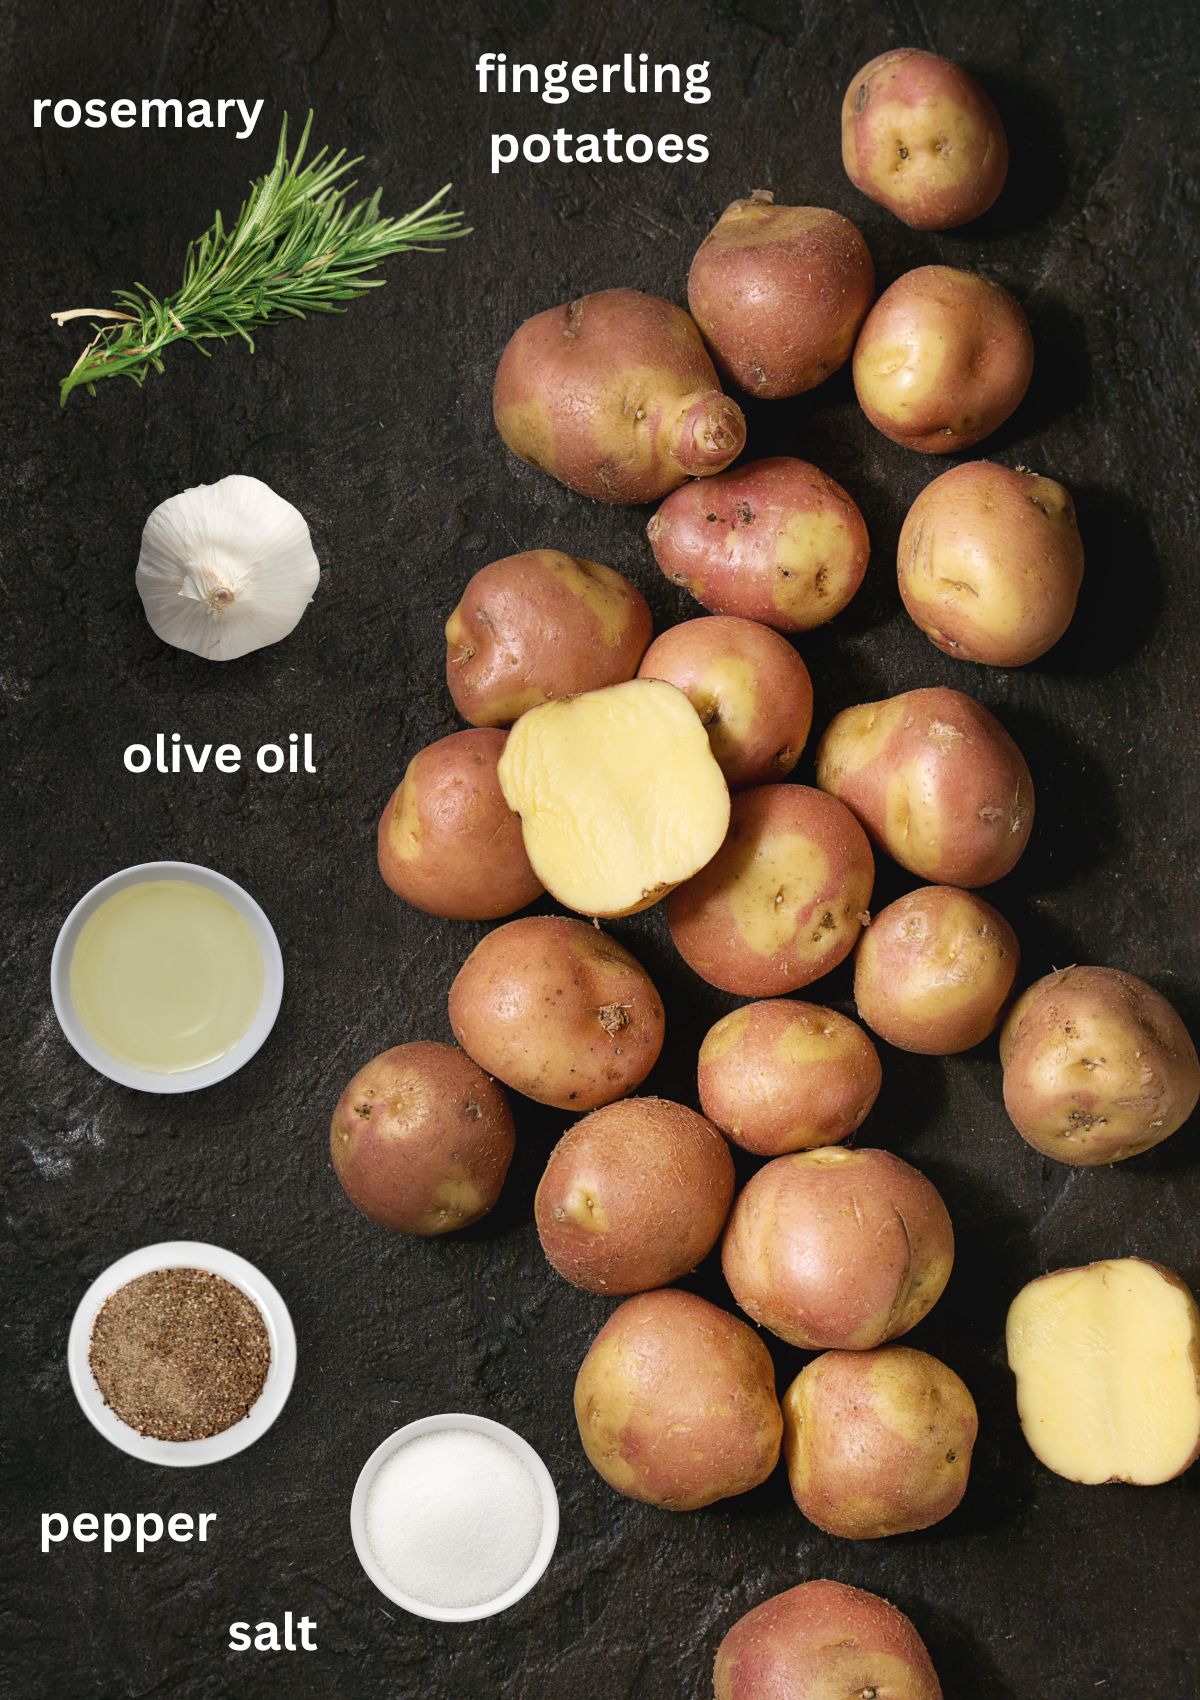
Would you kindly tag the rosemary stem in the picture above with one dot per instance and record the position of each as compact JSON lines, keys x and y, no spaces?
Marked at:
{"x":297,"y":246}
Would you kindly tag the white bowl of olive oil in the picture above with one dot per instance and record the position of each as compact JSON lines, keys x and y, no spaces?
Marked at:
{"x":166,"y":977}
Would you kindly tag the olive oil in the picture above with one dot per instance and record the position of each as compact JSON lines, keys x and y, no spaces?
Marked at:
{"x":166,"y":976}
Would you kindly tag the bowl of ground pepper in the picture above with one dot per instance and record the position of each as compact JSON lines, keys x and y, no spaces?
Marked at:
{"x":182,"y":1353}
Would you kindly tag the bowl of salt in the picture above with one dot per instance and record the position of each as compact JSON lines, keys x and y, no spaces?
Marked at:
{"x":454,"y":1517}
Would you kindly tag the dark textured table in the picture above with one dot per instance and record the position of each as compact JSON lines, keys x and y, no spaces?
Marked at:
{"x":378,"y":427}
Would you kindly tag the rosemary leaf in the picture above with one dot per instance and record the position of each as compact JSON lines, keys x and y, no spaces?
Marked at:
{"x":297,"y":246}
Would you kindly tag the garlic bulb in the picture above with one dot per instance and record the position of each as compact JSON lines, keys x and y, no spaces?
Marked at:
{"x":226,"y":568}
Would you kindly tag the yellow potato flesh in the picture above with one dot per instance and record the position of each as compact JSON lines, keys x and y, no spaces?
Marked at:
{"x":619,"y":794}
{"x":1107,"y":1361}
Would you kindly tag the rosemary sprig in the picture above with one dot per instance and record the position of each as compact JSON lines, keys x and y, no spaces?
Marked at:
{"x":296,"y":247}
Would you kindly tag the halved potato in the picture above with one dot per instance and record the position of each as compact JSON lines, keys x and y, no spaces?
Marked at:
{"x":1107,"y":1361}
{"x":619,"y":794}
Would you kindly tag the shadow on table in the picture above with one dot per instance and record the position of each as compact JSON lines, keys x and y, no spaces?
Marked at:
{"x":539,"y":1127}
{"x":1060,"y":383}
{"x":1077,"y":822}
{"x":966,"y":1330}
{"x":1038,"y":158}
{"x":960,"y":1657}
{"x":1123,"y":590}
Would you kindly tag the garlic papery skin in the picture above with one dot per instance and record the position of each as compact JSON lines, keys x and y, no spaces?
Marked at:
{"x":226,"y":568}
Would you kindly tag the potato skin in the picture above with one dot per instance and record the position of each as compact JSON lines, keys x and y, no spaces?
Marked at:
{"x":1097,"y":1066}
{"x":934,"y":970}
{"x":837,"y":1248}
{"x":937,"y":782}
{"x":782,"y":1076}
{"x":447,"y":842}
{"x":944,"y":358}
{"x":877,"y":1443}
{"x":783,"y":900}
{"x":899,"y":113}
{"x":421,"y":1139}
{"x":776,"y":541}
{"x":749,"y":687}
{"x":675,"y":1402}
{"x":541,"y":625}
{"x":824,"y":1641}
{"x":559,"y":1011}
{"x":779,"y":293}
{"x":634,"y":1196}
{"x":990,"y":563}
{"x":615,"y":395}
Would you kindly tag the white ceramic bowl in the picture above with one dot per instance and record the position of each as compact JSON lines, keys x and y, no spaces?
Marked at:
{"x":192,"y":1079}
{"x":506,"y":1437}
{"x":185,"y":1254}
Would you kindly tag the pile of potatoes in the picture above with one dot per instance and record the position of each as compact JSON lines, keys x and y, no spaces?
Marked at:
{"x":608,"y":769}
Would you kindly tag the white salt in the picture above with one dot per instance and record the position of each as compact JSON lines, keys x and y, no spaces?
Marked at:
{"x":453,"y":1518}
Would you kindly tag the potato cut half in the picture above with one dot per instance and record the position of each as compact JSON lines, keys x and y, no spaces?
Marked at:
{"x":1107,"y":1361}
{"x":619,"y":794}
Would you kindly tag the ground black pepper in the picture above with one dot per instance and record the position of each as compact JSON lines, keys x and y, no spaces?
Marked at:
{"x":179,"y":1354}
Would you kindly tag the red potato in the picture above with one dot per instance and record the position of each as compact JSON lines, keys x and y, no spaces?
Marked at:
{"x":559,"y":1011}
{"x":990,"y":563}
{"x":421,"y":1139}
{"x":923,"y":139}
{"x":785,"y":1076}
{"x":838,"y":1249}
{"x":936,"y":781}
{"x":1097,"y":1066}
{"x":675,"y":1403}
{"x":537,"y":626}
{"x":934,"y":971}
{"x":943,"y":359}
{"x":448,"y":843}
{"x":775,"y":541}
{"x":634,"y":1196}
{"x":824,"y":1641}
{"x":779,"y":293}
{"x":749,"y":687}
{"x":784,"y":899}
{"x":615,"y":396}
{"x":878,"y":1443}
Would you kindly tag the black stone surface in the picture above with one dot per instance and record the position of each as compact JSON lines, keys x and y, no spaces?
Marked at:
{"x":378,"y":427}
